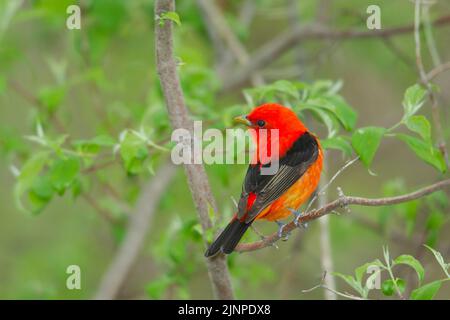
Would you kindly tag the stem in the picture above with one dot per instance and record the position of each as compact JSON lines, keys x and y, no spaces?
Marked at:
{"x":326,"y":258}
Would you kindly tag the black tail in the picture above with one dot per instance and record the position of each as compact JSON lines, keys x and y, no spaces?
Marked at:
{"x":229,"y":238}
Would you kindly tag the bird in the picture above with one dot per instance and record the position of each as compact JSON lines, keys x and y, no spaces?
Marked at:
{"x":275,"y":196}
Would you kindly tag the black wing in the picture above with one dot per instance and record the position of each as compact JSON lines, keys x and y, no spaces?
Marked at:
{"x":268,"y":188}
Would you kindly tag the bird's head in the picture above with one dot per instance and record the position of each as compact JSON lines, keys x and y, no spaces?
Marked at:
{"x":273,"y":116}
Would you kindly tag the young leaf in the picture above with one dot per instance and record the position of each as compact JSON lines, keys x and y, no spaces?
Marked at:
{"x":413,"y":100}
{"x":93,"y":145}
{"x":170,"y":15}
{"x":420,"y":125}
{"x":427,"y":291}
{"x":425,"y":151}
{"x":40,"y":193}
{"x":52,"y":97}
{"x":366,"y":141}
{"x":29,"y":172}
{"x":351,"y":281}
{"x":63,"y":172}
{"x":134,"y":152}
{"x":338,"y":143}
{"x":326,"y":117}
{"x":413,"y":263}
{"x":440,"y":260}
{"x":287,"y":88}
{"x":361,"y":270}
{"x":346,"y":115}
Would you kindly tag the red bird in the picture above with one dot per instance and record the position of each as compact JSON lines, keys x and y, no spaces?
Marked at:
{"x":274,"y":197}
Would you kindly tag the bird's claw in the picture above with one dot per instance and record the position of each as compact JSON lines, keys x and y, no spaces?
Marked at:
{"x":298,"y":215}
{"x":281,"y":231}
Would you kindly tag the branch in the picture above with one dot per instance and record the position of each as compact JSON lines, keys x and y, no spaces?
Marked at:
{"x":275,"y":48}
{"x":438,"y":70}
{"x":219,"y":24}
{"x":423,"y":77}
{"x":137,"y":229}
{"x":326,"y":257}
{"x":342,"y":202}
{"x":28,"y":96}
{"x":179,"y":118}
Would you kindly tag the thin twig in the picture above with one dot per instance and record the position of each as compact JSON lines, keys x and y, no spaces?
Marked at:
{"x":437,"y":71}
{"x":344,"y":295}
{"x":423,"y":77}
{"x":327,"y":185}
{"x":102,"y":212}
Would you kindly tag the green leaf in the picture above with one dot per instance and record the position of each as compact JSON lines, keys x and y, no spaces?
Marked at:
{"x":440,"y":260}
{"x":42,"y":187}
{"x":63,"y":172}
{"x":388,"y":286}
{"x":325,"y":117}
{"x":52,"y":97}
{"x":32,"y":168}
{"x":134,"y":152}
{"x":94,"y":145}
{"x":413,"y":100}
{"x":40,"y":193}
{"x":351,"y":281}
{"x":420,"y":125}
{"x":366,"y":141}
{"x":338,"y":143}
{"x":346,"y":115}
{"x":413,"y":263}
{"x":425,"y":151}
{"x":361,"y":270}
{"x":427,"y":291}
{"x":29,"y":172}
{"x":170,"y":15}
{"x":287,"y":88}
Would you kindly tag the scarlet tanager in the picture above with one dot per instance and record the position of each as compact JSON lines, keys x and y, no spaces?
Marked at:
{"x":273,"y":197}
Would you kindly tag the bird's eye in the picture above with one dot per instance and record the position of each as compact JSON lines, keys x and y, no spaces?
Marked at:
{"x":261,"y":123}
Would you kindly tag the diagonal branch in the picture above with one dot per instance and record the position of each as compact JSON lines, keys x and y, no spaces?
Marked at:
{"x":137,"y":230}
{"x":179,"y":118}
{"x":286,"y":40}
{"x":219,"y":24}
{"x":342,"y":202}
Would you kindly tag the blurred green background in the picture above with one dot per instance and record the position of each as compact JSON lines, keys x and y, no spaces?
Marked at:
{"x":102,"y":79}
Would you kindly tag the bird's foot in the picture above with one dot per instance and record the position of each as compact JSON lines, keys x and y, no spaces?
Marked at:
{"x":298,"y":215}
{"x":281,"y":231}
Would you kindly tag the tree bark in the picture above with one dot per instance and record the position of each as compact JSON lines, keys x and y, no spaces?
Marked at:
{"x":179,"y":118}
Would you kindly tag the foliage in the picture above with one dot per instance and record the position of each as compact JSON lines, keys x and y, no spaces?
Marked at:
{"x":394,"y":285}
{"x":84,"y":128}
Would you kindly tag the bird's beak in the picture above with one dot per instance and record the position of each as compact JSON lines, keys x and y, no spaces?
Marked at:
{"x":243,"y":119}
